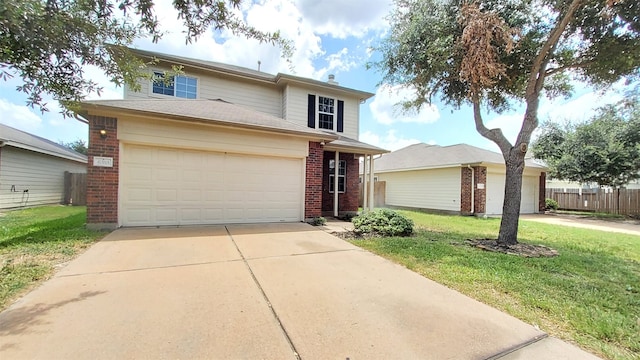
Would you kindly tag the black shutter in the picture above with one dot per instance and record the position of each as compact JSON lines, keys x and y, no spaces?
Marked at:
{"x":340,"y":116}
{"x":311,"y":112}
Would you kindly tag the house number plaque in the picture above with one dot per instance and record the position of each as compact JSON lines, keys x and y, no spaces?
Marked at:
{"x":102,"y":161}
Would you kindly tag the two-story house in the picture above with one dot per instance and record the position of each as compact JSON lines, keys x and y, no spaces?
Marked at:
{"x":224,"y":144}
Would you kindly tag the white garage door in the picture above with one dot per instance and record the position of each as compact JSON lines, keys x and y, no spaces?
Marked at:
{"x":164,"y":186}
{"x":495,"y":194}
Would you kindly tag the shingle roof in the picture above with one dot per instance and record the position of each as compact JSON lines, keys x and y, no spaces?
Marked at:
{"x":249,"y":73}
{"x":423,"y":156}
{"x":216,"y":112}
{"x":20,"y":139}
{"x":347,"y":144}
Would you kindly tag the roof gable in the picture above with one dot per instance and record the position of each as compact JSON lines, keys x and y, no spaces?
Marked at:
{"x":17,"y":138}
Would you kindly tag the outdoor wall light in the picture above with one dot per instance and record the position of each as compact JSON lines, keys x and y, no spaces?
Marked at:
{"x":103,"y":133}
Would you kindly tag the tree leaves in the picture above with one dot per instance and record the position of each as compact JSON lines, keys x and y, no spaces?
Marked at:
{"x":604,"y":150}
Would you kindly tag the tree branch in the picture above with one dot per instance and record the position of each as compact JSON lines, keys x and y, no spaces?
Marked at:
{"x":550,"y":72}
{"x":536,"y":79}
{"x":494,"y":135}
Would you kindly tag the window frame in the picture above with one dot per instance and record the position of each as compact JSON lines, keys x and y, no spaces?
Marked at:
{"x":334,"y":114}
{"x":174,"y":86}
{"x":342,"y":165}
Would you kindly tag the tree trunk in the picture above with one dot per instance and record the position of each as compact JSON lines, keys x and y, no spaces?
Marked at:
{"x":512,"y":198}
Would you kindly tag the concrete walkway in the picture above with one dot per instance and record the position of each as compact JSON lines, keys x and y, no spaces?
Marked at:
{"x":624,"y":227}
{"x":277,"y":291}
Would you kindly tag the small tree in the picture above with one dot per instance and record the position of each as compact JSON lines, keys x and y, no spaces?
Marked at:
{"x":604,"y":150}
{"x":490,"y":53}
{"x":78,"y":145}
{"x":47,"y":42}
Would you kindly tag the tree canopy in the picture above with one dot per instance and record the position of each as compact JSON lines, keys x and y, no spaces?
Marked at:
{"x":604,"y":150}
{"x":48,"y":42}
{"x":78,"y":145}
{"x":493,"y":54}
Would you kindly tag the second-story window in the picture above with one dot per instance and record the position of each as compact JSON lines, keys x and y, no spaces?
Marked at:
{"x":325,"y":113}
{"x":179,"y":86}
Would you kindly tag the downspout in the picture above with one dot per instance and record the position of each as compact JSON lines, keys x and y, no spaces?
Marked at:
{"x":473,"y":188}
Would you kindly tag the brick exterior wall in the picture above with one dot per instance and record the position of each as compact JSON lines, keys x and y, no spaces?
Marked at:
{"x":479,"y":175}
{"x":347,"y":201}
{"x":542,"y":192}
{"x":465,"y":190}
{"x":102,"y":182}
{"x":313,"y":181}
{"x":480,"y":198}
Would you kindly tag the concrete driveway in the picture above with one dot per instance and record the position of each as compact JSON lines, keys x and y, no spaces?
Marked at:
{"x":275,"y":291}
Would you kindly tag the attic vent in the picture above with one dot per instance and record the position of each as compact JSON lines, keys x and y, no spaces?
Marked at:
{"x":332,"y":80}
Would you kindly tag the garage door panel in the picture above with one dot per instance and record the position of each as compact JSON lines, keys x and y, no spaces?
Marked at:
{"x":174,"y":186}
{"x":495,"y":194}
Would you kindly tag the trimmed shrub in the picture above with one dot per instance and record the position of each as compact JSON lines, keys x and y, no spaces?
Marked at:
{"x":317,"y":221}
{"x":383,"y":222}
{"x":550,"y":204}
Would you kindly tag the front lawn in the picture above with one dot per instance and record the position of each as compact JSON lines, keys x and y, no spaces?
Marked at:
{"x":588,"y":295}
{"x":34,"y":241}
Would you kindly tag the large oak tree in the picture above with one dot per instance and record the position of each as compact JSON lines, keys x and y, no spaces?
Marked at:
{"x":48,"y":42}
{"x":498,"y":53}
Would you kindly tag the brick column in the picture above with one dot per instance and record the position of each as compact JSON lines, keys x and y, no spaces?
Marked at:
{"x":465,"y":190}
{"x":480,"y":195}
{"x":313,"y":181}
{"x":348,"y":202}
{"x":102,"y":182}
{"x":542,"y":194}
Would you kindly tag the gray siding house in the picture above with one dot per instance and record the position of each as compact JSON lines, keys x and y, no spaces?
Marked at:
{"x":32,"y":169}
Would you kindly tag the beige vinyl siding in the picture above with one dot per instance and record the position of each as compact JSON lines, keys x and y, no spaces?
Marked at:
{"x":297,"y":105}
{"x":209,"y":138}
{"x":258,"y":97}
{"x":437,"y":189}
{"x":42,"y":175}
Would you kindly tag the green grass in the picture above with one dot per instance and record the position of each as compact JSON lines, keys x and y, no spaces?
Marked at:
{"x":34,"y":241}
{"x":588,"y":295}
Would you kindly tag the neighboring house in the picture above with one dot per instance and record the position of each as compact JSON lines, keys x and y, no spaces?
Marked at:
{"x":562,"y":184}
{"x":223,"y":144}
{"x":32,"y":169}
{"x":459,"y":178}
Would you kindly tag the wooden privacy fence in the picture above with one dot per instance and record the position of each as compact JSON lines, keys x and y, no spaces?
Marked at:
{"x":622,"y":201}
{"x":75,"y":188}
{"x":379,"y":188}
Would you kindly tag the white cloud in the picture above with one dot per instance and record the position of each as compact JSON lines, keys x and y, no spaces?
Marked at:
{"x":19,"y":116}
{"x":341,"y":19}
{"x":386,"y":108}
{"x":577,"y":109}
{"x":389,"y":141}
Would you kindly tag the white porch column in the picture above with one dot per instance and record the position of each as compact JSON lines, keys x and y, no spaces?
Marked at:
{"x":364,"y":185}
{"x":371,"y":202}
{"x":336,"y":174}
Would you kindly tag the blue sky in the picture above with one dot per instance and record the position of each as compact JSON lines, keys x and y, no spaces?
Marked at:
{"x":327,"y":41}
